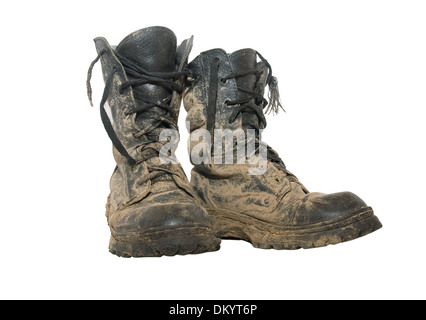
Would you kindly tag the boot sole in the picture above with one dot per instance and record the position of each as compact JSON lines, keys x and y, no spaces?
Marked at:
{"x":168,"y":242}
{"x":261,"y":234}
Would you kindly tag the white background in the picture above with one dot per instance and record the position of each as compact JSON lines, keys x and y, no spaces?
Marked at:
{"x":352,"y":76}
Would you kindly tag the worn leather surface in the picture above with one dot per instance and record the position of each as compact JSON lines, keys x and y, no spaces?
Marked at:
{"x":154,"y":49}
{"x":132,"y":205}
{"x":161,"y":210}
{"x":242,"y":60}
{"x":276,"y":196}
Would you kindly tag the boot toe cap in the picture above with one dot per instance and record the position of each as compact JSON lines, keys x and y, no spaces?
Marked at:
{"x":317,"y":207}
{"x":141,"y":218}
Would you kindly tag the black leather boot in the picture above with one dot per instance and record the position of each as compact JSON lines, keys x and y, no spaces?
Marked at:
{"x":151,"y":210}
{"x":270,"y":207}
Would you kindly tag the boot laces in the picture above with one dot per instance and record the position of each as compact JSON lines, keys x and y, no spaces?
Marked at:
{"x":253,"y":101}
{"x":150,"y":146}
{"x":248,"y":101}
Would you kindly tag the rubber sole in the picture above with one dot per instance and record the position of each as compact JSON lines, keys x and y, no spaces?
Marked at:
{"x":261,"y":234}
{"x":166,"y":242}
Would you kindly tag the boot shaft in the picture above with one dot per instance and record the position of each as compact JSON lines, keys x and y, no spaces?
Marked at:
{"x":212,"y":89}
{"x":144,"y":78}
{"x":224,"y":96}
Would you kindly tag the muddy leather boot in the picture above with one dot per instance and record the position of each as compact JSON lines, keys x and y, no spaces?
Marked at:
{"x":269,"y":208}
{"x":151,"y":209}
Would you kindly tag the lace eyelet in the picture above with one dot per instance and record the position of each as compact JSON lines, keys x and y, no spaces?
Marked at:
{"x":191,"y":79}
{"x":120,"y":89}
{"x":223,"y":80}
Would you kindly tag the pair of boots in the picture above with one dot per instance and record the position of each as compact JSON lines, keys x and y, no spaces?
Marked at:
{"x":153,"y":209}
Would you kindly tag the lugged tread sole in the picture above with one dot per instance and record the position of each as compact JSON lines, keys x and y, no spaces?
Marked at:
{"x":265,"y":235}
{"x":168,"y":242}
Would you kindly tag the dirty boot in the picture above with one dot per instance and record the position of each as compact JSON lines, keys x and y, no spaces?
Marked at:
{"x":151,"y":209}
{"x":263,"y":204}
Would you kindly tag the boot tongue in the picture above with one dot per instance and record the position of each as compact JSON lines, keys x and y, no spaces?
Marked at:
{"x":241,"y":61}
{"x":153,"y":49}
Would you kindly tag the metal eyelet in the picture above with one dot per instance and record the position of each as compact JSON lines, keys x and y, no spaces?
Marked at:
{"x":120,"y":89}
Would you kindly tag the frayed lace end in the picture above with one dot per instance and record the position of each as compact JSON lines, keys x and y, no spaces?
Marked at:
{"x":274,"y":104}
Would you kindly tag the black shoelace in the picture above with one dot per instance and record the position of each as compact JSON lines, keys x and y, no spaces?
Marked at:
{"x":248,"y":100}
{"x":140,"y":77}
